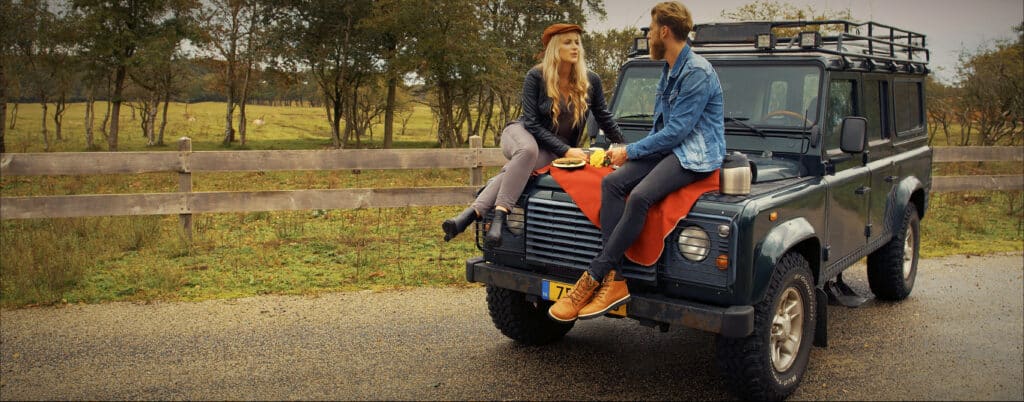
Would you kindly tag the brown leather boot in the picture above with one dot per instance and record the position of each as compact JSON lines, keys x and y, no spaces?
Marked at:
{"x":613,"y":293}
{"x":566,"y":308}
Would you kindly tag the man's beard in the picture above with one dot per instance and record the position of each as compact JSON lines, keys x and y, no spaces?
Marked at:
{"x":657,"y":50}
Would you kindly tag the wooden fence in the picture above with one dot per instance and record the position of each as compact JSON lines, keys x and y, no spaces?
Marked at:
{"x":186,"y":202}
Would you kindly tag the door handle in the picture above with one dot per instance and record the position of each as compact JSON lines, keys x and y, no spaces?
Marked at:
{"x":863,"y":190}
{"x":890,"y":179}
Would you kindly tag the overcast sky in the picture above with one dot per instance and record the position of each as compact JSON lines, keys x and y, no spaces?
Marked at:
{"x":950,"y":25}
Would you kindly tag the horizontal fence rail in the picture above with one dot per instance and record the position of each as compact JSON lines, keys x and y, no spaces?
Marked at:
{"x":231,"y":201}
{"x":967,"y":183}
{"x":186,"y":202}
{"x":91,"y":163}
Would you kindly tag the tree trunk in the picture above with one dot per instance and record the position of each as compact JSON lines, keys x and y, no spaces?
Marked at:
{"x":163,"y":119}
{"x":445,"y":123}
{"x":353,"y":115}
{"x":3,"y":109}
{"x":115,"y":109}
{"x":46,"y":133}
{"x":490,"y":115}
{"x":242,"y":123}
{"x":90,"y":119}
{"x":335,"y":138}
{"x":106,"y":117}
{"x":229,"y":130}
{"x":14,"y":115}
{"x":151,"y":109}
{"x":389,"y":113}
{"x":58,"y":116}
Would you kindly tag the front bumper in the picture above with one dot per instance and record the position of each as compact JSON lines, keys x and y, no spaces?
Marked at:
{"x":733,"y":321}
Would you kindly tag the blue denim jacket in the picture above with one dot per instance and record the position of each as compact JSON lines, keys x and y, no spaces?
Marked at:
{"x":688,"y":116}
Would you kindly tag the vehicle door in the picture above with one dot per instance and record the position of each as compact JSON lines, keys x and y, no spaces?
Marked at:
{"x":876,"y":107}
{"x":847,"y":206}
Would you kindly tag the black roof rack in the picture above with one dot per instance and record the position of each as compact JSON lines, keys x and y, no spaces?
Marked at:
{"x":860,"y":45}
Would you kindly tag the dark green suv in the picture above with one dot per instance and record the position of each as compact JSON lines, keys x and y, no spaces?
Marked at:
{"x":830,"y":118}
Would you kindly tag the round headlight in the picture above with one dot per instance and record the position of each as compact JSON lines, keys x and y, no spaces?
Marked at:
{"x":694,"y":243}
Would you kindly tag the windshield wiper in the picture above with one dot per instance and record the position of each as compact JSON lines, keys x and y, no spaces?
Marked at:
{"x":767,"y":153}
{"x":633,"y":116}
{"x":740,"y":121}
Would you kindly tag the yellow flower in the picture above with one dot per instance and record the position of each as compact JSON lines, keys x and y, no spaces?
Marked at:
{"x":598,"y":158}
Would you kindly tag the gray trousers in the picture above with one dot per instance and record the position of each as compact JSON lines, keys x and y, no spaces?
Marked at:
{"x":519,"y":146}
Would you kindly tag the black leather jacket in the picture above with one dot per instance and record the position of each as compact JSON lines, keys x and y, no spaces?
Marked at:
{"x":537,"y":113}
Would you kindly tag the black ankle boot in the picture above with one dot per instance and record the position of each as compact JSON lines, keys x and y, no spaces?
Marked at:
{"x":453,"y":226}
{"x":493,"y":237}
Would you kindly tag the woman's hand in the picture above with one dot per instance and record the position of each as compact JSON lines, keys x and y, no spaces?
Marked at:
{"x":576,"y":153}
{"x":617,"y":156}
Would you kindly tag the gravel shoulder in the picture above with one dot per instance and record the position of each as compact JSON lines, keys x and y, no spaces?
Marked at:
{"x":959,"y":336}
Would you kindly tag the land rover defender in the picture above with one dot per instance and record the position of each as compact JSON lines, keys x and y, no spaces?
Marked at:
{"x":830,"y":117}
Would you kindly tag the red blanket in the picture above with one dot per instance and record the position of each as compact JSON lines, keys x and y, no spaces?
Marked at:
{"x":584,"y":186}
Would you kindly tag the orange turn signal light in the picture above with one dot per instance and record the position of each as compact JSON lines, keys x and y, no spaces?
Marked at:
{"x":773,"y":216}
{"x":722,"y":262}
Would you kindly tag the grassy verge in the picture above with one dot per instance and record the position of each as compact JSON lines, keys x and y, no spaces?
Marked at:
{"x":232,"y":255}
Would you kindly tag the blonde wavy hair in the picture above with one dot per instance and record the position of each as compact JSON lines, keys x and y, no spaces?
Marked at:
{"x":579,"y":84}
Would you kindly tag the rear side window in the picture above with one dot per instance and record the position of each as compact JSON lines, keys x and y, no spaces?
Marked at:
{"x":876,"y":95}
{"x":841,"y":101}
{"x":909,"y":114}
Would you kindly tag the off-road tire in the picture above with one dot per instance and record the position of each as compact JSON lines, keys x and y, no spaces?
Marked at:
{"x":523,"y":321}
{"x":746,"y":363}
{"x":888,"y":274}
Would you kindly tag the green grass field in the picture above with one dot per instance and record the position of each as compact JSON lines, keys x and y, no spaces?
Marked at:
{"x":46,"y":261}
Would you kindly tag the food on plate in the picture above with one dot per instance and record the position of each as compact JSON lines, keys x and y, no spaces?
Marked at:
{"x":568,"y":163}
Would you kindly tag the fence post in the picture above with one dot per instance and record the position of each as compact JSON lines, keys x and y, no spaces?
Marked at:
{"x":476,"y":173}
{"x":185,"y":182}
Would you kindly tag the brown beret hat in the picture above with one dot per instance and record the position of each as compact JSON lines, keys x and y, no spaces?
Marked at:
{"x":556,"y":29}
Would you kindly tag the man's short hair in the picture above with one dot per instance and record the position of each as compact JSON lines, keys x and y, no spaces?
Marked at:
{"x":675,"y":16}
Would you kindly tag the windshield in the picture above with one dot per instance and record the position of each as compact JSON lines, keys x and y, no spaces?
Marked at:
{"x":759,"y":95}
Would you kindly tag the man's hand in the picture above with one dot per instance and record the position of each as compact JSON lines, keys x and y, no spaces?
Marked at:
{"x":617,"y":156}
{"x":576,"y":153}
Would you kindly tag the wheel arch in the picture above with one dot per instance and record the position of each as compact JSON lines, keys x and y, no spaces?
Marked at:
{"x":909,"y":190}
{"x":796,"y":235}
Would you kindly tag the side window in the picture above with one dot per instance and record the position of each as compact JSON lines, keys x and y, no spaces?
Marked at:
{"x":841,"y":101}
{"x":876,"y":96}
{"x":909,"y":115}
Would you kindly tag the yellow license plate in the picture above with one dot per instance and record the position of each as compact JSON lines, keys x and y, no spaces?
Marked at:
{"x":551,"y":290}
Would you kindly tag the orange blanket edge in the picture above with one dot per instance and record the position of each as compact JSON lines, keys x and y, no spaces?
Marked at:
{"x":584,"y":187}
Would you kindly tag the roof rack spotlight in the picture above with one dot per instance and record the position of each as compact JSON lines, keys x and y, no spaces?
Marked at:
{"x":810,"y":40}
{"x":765,"y":41}
{"x":640,"y":45}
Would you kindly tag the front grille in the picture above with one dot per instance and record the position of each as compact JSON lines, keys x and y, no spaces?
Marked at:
{"x":558,"y":233}
{"x":559,"y":236}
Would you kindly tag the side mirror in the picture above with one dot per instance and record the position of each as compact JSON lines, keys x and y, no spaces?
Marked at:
{"x":853,"y":134}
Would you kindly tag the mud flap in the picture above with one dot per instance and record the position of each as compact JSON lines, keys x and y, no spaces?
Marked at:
{"x":821,"y":326}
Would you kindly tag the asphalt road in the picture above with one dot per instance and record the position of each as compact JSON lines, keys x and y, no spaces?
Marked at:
{"x":958,"y":336}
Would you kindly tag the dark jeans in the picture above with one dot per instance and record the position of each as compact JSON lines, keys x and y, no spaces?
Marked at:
{"x":646,"y":181}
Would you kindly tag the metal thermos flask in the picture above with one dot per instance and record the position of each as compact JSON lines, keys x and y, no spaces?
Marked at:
{"x":736,"y":174}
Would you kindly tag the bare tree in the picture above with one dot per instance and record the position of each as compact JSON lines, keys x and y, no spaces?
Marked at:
{"x":993,"y":91}
{"x":236,"y":31}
